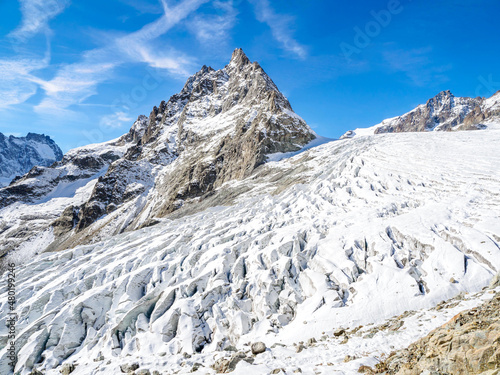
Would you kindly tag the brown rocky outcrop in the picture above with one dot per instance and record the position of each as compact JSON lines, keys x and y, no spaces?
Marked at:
{"x":468,"y":344}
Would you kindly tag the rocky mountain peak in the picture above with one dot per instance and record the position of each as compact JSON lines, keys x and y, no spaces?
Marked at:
{"x":220,"y":127}
{"x":193,"y":82}
{"x":239,"y":59}
{"x":209,"y":93}
{"x":444,"y":99}
{"x":137,"y":130}
{"x":443,"y":95}
{"x":443,"y":112}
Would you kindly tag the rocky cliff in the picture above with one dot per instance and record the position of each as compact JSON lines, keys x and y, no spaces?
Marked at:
{"x":468,"y":344}
{"x":218,"y":128}
{"x":19,"y":154}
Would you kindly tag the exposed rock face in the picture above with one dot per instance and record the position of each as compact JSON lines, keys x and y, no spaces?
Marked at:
{"x":219,"y":128}
{"x":468,"y":344}
{"x":123,"y":181}
{"x":444,"y":112}
{"x":19,"y":155}
{"x":227,"y":365}
{"x":258,"y":347}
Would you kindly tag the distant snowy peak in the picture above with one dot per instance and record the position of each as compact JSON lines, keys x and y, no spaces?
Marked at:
{"x":444,"y":112}
{"x":19,"y":154}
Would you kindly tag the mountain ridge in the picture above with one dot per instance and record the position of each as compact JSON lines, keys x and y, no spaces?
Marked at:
{"x":218,"y":128}
{"x":443,"y":112}
{"x":19,"y":154}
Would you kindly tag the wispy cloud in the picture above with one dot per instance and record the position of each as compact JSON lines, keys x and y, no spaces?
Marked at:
{"x":14,"y":88}
{"x":140,"y":46}
{"x":36,"y":15}
{"x":15,"y":83}
{"x":280,"y":25}
{"x":76,"y":82}
{"x":17,"y":74}
{"x":175,"y":62}
{"x":212,"y":30}
{"x":115,"y":120}
{"x":417,"y":65}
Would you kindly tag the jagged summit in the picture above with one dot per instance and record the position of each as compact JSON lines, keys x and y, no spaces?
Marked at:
{"x":240,"y":85}
{"x":238,"y":58}
{"x":220,"y":127}
{"x":442,"y":99}
{"x":444,"y":94}
{"x":443,"y":112}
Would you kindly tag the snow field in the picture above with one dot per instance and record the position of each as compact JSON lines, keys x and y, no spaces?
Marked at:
{"x":377,"y":226}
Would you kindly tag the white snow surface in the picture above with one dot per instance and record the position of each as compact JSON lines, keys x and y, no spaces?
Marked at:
{"x":377,"y":226}
{"x":493,"y":102}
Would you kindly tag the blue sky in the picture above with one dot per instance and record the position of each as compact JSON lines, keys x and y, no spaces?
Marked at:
{"x":83,"y":71}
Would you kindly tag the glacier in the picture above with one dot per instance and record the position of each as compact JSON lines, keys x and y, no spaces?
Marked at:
{"x":346,"y":234}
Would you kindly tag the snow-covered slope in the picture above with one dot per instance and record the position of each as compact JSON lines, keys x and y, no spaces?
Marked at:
{"x":19,"y":154}
{"x":218,"y":128}
{"x":348,"y":233}
{"x":31,"y":206}
{"x":444,"y":112}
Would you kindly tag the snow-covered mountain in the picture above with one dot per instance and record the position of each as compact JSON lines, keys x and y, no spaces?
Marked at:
{"x":373,"y":231}
{"x":19,"y":154}
{"x":213,"y":223}
{"x":220,"y":127}
{"x":444,"y":112}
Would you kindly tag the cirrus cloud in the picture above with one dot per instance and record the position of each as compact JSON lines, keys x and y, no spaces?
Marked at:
{"x":76,"y":82}
{"x":280,"y":26}
{"x":36,"y":15}
{"x":116,"y":120}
